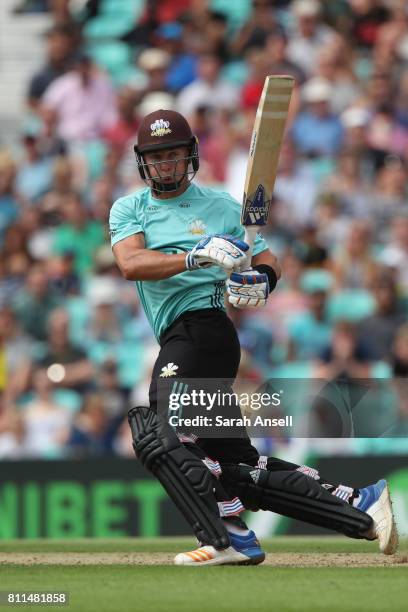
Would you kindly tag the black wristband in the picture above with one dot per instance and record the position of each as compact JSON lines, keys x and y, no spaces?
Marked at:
{"x":270,"y":273}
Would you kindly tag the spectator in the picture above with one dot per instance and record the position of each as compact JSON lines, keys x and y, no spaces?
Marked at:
{"x":34,"y":175}
{"x":399,"y":357}
{"x":353,"y":265}
{"x":208,"y":90}
{"x":62,"y":186}
{"x":295,"y":189}
{"x":182,"y":68}
{"x":276,"y":50}
{"x":255,"y":31}
{"x":12,"y":437}
{"x":93,"y":432}
{"x":105,"y":327}
{"x":10,"y":203}
{"x":213,"y":38}
{"x":348,"y":184}
{"x":63,"y":281}
{"x":332,"y":224}
{"x":16,"y":349}
{"x":344,"y":358}
{"x":308,"y":247}
{"x":316,"y":131}
{"x":310,"y":331}
{"x":34,"y":303}
{"x":367,"y":19}
{"x":44,"y":128}
{"x":310,"y":35}
{"x":78,"y":235}
{"x":66,"y":365}
{"x":109,"y":386}
{"x":213,"y":131}
{"x":154,"y":64}
{"x":123,"y":131}
{"x":46,"y":423}
{"x":377,"y":332}
{"x":334,"y":65}
{"x":13,"y":269}
{"x":3,"y":370}
{"x":83,"y":102}
{"x":395,"y":254}
{"x":384,"y":135}
{"x":59,"y":51}
{"x":355,"y":121}
{"x":251,"y":91}
{"x":390,"y":197}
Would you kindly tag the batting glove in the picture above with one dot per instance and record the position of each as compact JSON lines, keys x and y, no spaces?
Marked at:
{"x":220,"y":249}
{"x":248,"y":289}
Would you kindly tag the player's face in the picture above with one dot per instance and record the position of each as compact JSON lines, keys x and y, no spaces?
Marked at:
{"x":168,"y":165}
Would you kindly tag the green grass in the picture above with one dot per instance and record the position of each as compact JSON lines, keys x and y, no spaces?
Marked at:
{"x":211,"y":589}
{"x":300,"y":544}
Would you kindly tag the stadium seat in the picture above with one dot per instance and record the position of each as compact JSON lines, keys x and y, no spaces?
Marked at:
{"x":131,"y":363}
{"x":116,"y":18}
{"x":235,"y":72}
{"x":78,"y":310}
{"x":316,"y":280}
{"x":68,"y":398}
{"x":129,"y":357}
{"x":350,"y":305}
{"x":112,"y":56}
{"x":236,"y":12}
{"x":94,"y":152}
{"x":293,"y":369}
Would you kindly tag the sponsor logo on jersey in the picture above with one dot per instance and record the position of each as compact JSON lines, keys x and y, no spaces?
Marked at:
{"x":184,"y":205}
{"x":169,"y":370}
{"x":197,"y":227}
{"x":160,"y":127}
{"x":152,"y":208}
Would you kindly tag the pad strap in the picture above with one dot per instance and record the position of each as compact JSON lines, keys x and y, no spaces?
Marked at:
{"x":230,"y":508}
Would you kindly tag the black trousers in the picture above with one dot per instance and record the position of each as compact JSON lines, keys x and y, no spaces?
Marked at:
{"x":203,"y":344}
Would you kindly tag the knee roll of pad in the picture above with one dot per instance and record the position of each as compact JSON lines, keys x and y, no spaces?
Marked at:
{"x":185,"y":478}
{"x":295,"y":495}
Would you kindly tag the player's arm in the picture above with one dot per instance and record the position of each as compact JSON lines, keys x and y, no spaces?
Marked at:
{"x":138,"y":263}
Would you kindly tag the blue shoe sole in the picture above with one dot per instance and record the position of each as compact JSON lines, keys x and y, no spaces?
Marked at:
{"x":256,"y":559}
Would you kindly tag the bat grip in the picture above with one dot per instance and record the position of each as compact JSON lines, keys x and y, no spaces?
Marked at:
{"x":250,"y":235}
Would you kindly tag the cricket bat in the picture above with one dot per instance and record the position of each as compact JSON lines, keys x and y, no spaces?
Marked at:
{"x":264,"y":151}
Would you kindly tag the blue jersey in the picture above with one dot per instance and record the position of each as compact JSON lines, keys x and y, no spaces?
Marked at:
{"x":175,"y":226}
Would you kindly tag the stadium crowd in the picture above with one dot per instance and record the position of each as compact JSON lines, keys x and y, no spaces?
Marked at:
{"x":75,"y":348}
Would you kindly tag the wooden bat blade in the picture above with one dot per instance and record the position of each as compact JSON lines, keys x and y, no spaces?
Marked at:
{"x":266,"y":141}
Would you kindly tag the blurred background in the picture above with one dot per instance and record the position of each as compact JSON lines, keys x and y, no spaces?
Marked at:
{"x":76,"y":351}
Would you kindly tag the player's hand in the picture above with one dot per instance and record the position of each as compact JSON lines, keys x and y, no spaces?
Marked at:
{"x":248,"y":289}
{"x":221,"y":250}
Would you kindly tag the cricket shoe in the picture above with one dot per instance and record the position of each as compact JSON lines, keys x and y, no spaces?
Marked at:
{"x":375,"y":501}
{"x":244,"y":550}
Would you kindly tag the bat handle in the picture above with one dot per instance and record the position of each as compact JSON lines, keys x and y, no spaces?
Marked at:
{"x":250,"y":235}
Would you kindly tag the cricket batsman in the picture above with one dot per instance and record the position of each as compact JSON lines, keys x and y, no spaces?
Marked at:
{"x":183,"y":246}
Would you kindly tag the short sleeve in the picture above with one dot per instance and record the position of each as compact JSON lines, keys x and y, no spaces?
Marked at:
{"x":235,"y":228}
{"x":123,"y":220}
{"x":54,"y":94}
